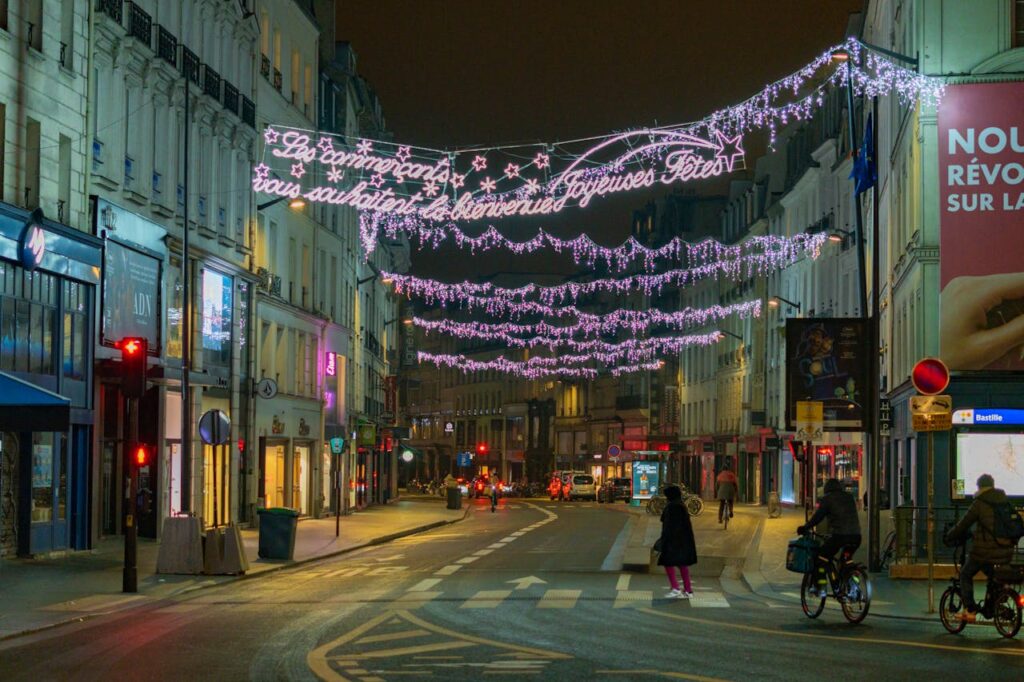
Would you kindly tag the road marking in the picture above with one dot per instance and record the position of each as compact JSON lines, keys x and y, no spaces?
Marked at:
{"x":709,"y":600}
{"x":835,"y":638}
{"x":424,"y":585}
{"x":662,"y":673}
{"x":345,"y":572}
{"x":517,"y":534}
{"x":496,"y":545}
{"x":392,"y":636}
{"x":386,"y":570}
{"x":632,"y":599}
{"x":525,"y":582}
{"x":623,"y":582}
{"x":508,"y":539}
{"x":486,"y":599}
{"x":467,"y":559}
{"x":414,"y":600}
{"x":559,"y":599}
{"x":482,"y":552}
{"x":447,"y":570}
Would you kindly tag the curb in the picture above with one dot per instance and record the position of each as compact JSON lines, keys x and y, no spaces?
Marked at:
{"x":384,"y":539}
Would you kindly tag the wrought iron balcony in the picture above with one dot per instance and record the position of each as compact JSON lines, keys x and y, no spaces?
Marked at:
{"x":265,"y":66}
{"x":211,"y":83}
{"x":112,"y":8}
{"x":140,"y":25}
{"x":277,"y":80}
{"x":230,"y":98}
{"x":248,"y":112}
{"x":190,"y":65}
{"x":166,"y":45}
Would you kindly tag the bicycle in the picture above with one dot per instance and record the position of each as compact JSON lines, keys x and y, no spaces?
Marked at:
{"x":694,"y":505}
{"x":1001,"y":604}
{"x":848,"y":583}
{"x":888,"y":551}
{"x":725,"y":512}
{"x":656,"y":504}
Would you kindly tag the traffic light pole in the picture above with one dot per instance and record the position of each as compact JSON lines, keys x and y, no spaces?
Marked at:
{"x":130,"y":579}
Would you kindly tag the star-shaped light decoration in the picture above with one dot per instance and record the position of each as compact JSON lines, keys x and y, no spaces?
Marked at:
{"x":326,"y":144}
{"x":364,"y":147}
{"x":542,"y":160}
{"x":729,"y":149}
{"x":377,"y":180}
{"x":270,"y":135}
{"x":403,"y":154}
{"x":261,"y":171}
{"x":479,"y":163}
{"x":512,"y":170}
{"x":430,"y":189}
{"x":298,"y":170}
{"x":458,"y":180}
{"x":488,"y":185}
{"x":335,"y":175}
{"x":532,"y":186}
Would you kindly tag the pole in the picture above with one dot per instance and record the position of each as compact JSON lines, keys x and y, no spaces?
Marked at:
{"x":808,"y":477}
{"x":337,"y":494}
{"x":129,"y":577}
{"x":874,"y":470}
{"x":186,"y":321}
{"x":931,"y":522}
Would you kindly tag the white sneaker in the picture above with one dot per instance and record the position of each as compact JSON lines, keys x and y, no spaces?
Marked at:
{"x":687,"y":595}
{"x":674,"y":594}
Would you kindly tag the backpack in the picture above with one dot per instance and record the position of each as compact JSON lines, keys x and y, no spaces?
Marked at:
{"x":1007,"y":524}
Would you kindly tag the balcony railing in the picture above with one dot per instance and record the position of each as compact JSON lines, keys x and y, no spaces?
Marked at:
{"x":140,"y":25}
{"x":112,"y":8}
{"x":230,"y":98}
{"x":166,"y":45}
{"x":248,"y":112}
{"x":190,"y":65}
{"x":265,"y":66}
{"x":277,"y":80}
{"x":211,"y":83}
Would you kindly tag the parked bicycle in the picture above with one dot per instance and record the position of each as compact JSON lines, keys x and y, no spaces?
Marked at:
{"x":693,"y":503}
{"x":888,"y":553}
{"x":1002,"y":604}
{"x":847,"y":581}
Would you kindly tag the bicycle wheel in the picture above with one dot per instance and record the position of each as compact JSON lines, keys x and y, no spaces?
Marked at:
{"x":1006,"y":613}
{"x":695,"y":506}
{"x":812,"y":606}
{"x":950,"y":606}
{"x":856,"y":591}
{"x":650,"y":506}
{"x":725,"y":519}
{"x":888,"y":551}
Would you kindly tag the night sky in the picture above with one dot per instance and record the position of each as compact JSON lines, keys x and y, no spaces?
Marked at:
{"x":467,"y":72}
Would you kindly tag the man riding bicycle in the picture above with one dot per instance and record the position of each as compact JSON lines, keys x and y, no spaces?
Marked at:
{"x":840,"y":509}
{"x":987,"y":550}
{"x":727,"y":486}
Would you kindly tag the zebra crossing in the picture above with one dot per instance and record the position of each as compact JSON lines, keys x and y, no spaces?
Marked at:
{"x":554,"y":598}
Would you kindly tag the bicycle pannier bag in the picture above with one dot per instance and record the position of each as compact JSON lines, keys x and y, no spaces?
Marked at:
{"x":801,"y":554}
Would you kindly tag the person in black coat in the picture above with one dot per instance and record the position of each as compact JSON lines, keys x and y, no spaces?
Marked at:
{"x":677,"y":544}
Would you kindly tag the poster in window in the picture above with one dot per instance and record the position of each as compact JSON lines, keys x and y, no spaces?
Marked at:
{"x":826,"y":361}
{"x":131,"y":299}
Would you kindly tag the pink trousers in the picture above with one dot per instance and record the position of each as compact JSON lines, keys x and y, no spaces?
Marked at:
{"x":684,"y":571}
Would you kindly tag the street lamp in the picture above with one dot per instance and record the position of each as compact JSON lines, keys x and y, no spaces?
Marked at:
{"x":774,"y":302}
{"x":838,"y":236}
{"x":735,"y":336}
{"x":297,"y":203}
{"x":405,"y":320}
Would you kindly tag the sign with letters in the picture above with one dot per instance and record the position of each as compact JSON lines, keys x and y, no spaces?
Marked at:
{"x":131,"y":295}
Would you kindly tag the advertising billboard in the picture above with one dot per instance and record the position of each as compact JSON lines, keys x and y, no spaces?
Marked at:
{"x":826,"y":361}
{"x":645,"y":480}
{"x":981,"y":190}
{"x":131,"y":295}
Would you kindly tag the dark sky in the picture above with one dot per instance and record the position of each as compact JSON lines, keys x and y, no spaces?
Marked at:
{"x":460,"y":72}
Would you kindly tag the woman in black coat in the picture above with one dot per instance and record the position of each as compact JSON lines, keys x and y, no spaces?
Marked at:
{"x":678,"y":547}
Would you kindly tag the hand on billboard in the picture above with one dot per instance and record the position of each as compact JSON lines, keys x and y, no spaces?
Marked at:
{"x":964,"y":340}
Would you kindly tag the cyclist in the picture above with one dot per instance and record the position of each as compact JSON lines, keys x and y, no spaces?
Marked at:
{"x":840,"y":508}
{"x":987,"y":550}
{"x":727,"y":485}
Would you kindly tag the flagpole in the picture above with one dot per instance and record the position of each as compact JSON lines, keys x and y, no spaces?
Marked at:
{"x":874,"y":471}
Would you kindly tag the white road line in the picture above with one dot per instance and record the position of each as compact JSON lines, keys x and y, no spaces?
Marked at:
{"x":447,"y":570}
{"x":626,"y":599}
{"x":482,"y":552}
{"x":709,"y":600}
{"x":496,"y":545}
{"x":467,"y":559}
{"x":414,"y":600}
{"x":508,"y":539}
{"x":424,"y":585}
{"x":486,"y":599}
{"x":346,"y":572}
{"x":559,"y":599}
{"x":623,"y":582}
{"x":517,"y":534}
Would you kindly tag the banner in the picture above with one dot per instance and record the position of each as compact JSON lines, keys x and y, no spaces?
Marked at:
{"x":981,"y":188}
{"x":826,"y":361}
{"x":131,"y":298}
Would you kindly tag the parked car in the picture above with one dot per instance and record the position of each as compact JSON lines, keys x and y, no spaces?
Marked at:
{"x":615,"y":489}
{"x":583,"y":487}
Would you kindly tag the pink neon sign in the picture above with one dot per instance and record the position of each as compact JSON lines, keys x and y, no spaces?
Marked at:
{"x":331,"y":368}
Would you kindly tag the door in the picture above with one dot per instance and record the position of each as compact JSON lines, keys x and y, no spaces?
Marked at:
{"x":216,"y":485}
{"x":172,"y":475}
{"x":273,"y":476}
{"x":48,"y":510}
{"x":300,"y":479}
{"x":80,"y":486}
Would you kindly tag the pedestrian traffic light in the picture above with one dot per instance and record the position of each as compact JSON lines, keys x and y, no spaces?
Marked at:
{"x":133,"y":366}
{"x":482,"y":448}
{"x":142,"y":455}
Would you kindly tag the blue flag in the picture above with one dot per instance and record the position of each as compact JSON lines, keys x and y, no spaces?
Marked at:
{"x":864,"y":172}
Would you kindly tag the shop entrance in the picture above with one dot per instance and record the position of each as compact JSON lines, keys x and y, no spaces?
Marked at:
{"x":273,"y":474}
{"x":301,"y":479}
{"x":47,"y":454}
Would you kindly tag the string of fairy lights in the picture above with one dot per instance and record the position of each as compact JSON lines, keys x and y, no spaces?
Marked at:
{"x":433,"y":195}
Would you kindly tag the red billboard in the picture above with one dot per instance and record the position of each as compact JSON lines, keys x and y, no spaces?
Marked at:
{"x":981,"y":189}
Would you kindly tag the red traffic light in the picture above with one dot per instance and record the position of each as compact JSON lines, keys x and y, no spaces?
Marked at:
{"x":133,"y":366}
{"x":131,"y":347}
{"x":481,"y":448}
{"x":141,"y":457}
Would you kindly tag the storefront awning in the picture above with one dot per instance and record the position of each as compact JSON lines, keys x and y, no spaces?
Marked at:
{"x":26,"y":407}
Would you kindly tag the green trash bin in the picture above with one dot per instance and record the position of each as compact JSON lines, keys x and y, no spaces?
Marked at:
{"x":277,"y":532}
{"x":454,"y":498}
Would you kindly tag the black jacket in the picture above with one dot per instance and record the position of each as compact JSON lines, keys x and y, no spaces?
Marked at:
{"x":678,"y":546}
{"x":839,"y":507}
{"x":985,"y":548}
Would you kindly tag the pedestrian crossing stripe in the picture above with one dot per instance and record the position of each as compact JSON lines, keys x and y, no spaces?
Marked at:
{"x":632,"y":598}
{"x":486,"y":599}
{"x":559,"y":599}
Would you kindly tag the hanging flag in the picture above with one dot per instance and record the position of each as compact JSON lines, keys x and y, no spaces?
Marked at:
{"x":865,"y":172}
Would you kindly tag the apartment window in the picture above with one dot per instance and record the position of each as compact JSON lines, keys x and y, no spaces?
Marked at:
{"x":270,"y":246}
{"x":64,"y":179}
{"x":34,"y":24}
{"x":277,"y":49}
{"x":3,"y":15}
{"x":293,"y":267}
{"x":1018,"y":23}
{"x":309,"y":90}
{"x":32,"y":140}
{"x":265,"y":35}
{"x":67,"y":34}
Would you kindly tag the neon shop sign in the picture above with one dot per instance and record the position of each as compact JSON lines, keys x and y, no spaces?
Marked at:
{"x":402,"y":184}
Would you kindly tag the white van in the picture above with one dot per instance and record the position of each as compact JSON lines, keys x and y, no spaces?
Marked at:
{"x":583,"y":487}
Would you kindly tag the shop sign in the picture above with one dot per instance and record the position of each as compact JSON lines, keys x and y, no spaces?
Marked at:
{"x":32,"y":241}
{"x":884,"y":417}
{"x":337,"y":445}
{"x":367,"y":435}
{"x":981,"y":214}
{"x":449,"y":427}
{"x":214,"y":427}
{"x":826,"y":362}
{"x":131,"y":294}
{"x":989,"y":417}
{"x":331,"y":364}
{"x":266,"y":388}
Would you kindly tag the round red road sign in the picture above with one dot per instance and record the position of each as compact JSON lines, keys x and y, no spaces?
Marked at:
{"x":930,"y":376}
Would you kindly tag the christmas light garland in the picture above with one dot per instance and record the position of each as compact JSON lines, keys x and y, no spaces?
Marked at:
{"x":531,"y":371}
{"x":497,"y":300}
{"x":637,"y":322}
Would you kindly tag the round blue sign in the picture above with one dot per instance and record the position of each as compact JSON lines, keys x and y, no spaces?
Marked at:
{"x":32,"y":241}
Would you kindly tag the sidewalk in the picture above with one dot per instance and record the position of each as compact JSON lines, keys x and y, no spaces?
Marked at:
{"x":765,"y":572}
{"x":38,"y":594}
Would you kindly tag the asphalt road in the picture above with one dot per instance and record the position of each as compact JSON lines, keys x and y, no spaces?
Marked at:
{"x":524,"y":591}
